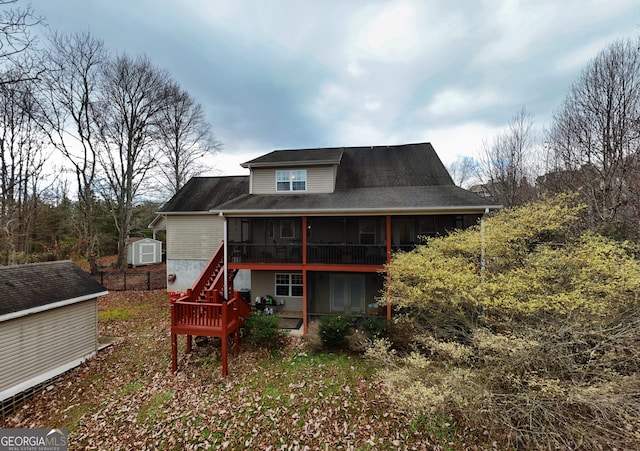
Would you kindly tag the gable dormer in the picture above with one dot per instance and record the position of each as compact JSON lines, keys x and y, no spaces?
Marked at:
{"x":294,"y":171}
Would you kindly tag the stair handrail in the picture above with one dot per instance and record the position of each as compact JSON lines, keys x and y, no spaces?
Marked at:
{"x":207,"y":272}
{"x":216,"y":286}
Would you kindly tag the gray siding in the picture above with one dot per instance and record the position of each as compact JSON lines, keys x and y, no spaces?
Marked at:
{"x":320,"y":179}
{"x":264,"y":282}
{"x":36,"y":347}
{"x":193,"y":236}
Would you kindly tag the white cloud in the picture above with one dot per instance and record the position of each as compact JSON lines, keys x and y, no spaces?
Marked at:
{"x":453,"y":141}
{"x":402,"y":31}
{"x":390,"y":34}
{"x":575,"y":60}
{"x":519,"y":30}
{"x":451,"y":102}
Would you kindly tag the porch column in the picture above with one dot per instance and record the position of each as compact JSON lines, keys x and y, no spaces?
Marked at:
{"x":388,"y":237}
{"x":388,"y":231}
{"x":304,"y":301}
{"x":304,"y":240}
{"x":304,"y":275}
{"x":225,"y":257}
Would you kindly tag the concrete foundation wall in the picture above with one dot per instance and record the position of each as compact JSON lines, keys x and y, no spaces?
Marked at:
{"x":187,"y":271}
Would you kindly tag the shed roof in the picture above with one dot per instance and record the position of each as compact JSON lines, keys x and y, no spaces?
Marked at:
{"x":41,"y":285}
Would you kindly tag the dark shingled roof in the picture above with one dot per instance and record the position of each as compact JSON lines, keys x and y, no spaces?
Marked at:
{"x":206,"y":193}
{"x":297,"y":157}
{"x":380,"y":166}
{"x":25,"y":287}
{"x":386,"y":178}
{"x":402,"y":198}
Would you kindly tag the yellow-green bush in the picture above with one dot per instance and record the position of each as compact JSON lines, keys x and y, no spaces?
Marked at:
{"x":533,"y":263}
{"x":534,"y":348}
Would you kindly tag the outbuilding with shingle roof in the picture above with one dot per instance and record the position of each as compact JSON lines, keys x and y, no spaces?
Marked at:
{"x":48,"y":324}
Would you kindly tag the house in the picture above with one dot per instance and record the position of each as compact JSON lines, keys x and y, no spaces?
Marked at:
{"x":143,"y":251}
{"x":48,"y":324}
{"x":314,"y":228}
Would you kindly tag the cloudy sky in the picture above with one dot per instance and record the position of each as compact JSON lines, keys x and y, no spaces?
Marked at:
{"x":332,"y":73}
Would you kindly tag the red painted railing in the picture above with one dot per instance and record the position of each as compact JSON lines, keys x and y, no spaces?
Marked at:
{"x":203,"y":310}
{"x":215,"y":315}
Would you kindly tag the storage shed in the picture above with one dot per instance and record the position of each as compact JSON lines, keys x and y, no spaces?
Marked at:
{"x":144,"y":251}
{"x":48,"y":323}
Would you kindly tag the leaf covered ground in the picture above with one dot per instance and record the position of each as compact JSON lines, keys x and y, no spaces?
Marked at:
{"x":289,"y":398}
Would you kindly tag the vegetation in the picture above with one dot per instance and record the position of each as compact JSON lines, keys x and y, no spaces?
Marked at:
{"x":145,"y":140}
{"x":263,"y":330}
{"x":287,"y":400}
{"x":531,"y":346}
{"x":333,"y":330}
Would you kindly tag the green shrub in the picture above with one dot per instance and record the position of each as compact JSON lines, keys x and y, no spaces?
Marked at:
{"x":263,"y":330}
{"x":334,"y":330}
{"x":375,"y":327}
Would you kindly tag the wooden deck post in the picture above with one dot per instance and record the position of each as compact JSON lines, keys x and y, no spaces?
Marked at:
{"x":174,"y":353}
{"x":225,"y":338}
{"x":174,"y":340}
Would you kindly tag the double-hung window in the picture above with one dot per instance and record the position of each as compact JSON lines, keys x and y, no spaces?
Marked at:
{"x":291,"y":180}
{"x":289,"y":284}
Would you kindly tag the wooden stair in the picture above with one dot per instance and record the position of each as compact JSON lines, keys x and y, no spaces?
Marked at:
{"x":204,"y":310}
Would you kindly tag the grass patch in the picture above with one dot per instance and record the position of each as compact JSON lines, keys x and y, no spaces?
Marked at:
{"x":151,"y":410}
{"x":441,"y":428}
{"x":116,"y":314}
{"x":75,"y":415}
{"x":131,"y":388}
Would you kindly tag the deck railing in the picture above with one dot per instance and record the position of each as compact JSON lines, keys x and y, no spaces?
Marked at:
{"x":321,"y":253}
{"x":203,"y":310}
{"x":204,"y":314}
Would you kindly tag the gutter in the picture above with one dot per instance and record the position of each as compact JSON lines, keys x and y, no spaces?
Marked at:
{"x":351,"y":211}
{"x":51,"y":306}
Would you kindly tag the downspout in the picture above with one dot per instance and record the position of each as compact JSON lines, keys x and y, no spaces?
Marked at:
{"x":225,"y":250}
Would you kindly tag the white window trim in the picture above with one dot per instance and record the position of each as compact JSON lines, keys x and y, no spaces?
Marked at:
{"x":290,"y":285}
{"x":291,"y":181}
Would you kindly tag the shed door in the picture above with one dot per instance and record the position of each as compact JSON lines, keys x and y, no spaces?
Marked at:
{"x":147,"y":253}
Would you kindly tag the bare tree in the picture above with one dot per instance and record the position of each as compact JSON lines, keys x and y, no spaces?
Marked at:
{"x":595,"y":136}
{"x":185,"y":138}
{"x":15,"y":40}
{"x":71,"y":93}
{"x":133,"y":97}
{"x":463,"y":171}
{"x":506,"y":162}
{"x":21,"y":167}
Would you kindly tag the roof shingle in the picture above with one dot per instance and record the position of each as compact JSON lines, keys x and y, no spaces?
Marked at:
{"x":392,"y":178}
{"x":25,"y":287}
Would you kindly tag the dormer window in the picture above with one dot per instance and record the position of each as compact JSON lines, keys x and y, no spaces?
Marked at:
{"x":291,"y":180}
